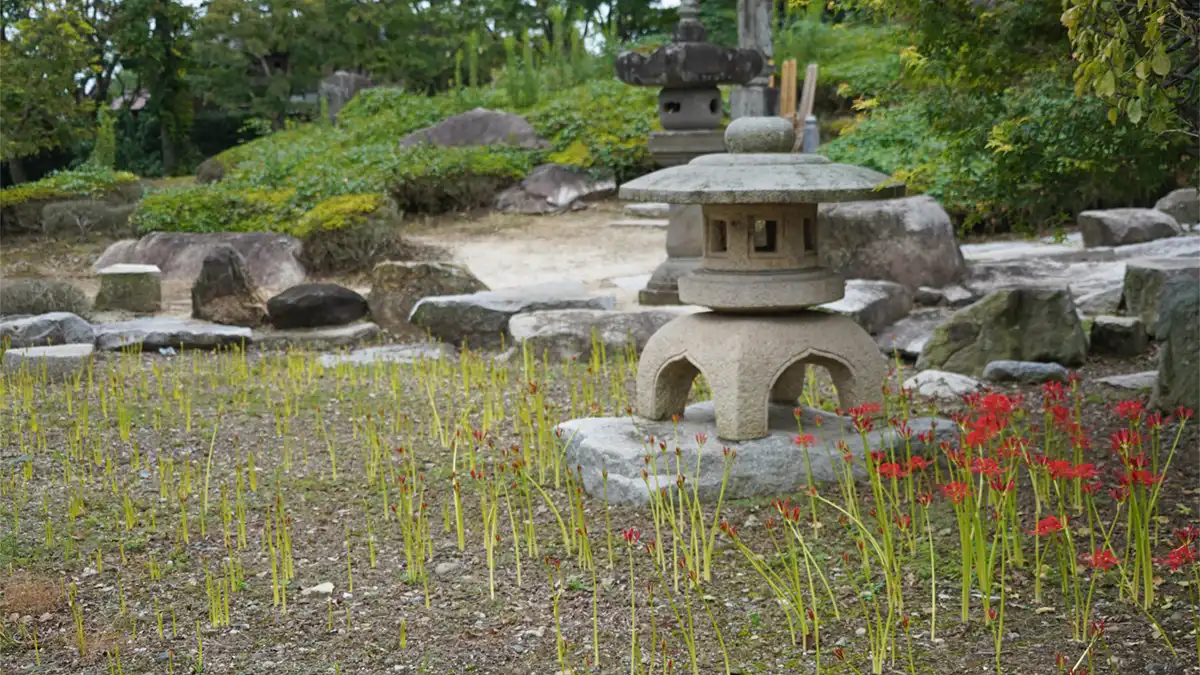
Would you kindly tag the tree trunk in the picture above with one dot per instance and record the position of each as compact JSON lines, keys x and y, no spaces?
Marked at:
{"x":170,"y":157}
{"x":16,"y":169}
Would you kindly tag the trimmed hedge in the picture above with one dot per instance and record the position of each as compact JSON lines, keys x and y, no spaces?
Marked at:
{"x":87,"y":181}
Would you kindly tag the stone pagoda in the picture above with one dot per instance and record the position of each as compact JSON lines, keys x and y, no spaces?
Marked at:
{"x":761,"y":276}
{"x":688,"y":71}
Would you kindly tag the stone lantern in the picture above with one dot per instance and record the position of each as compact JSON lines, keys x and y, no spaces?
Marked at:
{"x":761,"y":276}
{"x":688,"y":71}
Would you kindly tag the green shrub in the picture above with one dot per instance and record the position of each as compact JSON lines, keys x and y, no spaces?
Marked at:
{"x":86,"y":181}
{"x":437,"y":180}
{"x":40,"y":296}
{"x":216,"y":208}
{"x":350,"y":234}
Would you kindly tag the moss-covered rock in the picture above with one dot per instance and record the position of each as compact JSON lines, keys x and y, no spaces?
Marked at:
{"x":42,"y":296}
{"x":1022,"y":324}
{"x":1179,"y":359}
{"x":22,"y":206}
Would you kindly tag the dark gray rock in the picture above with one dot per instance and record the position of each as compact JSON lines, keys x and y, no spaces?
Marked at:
{"x":337,"y":90}
{"x":152,"y":333}
{"x":1179,"y":359}
{"x":565,"y":334}
{"x":910,"y":334}
{"x":479,"y":127}
{"x":224,"y":292}
{"x":272,"y":260}
{"x":872,"y":304}
{"x":1022,"y":324}
{"x":769,"y":466}
{"x":211,"y":170}
{"x":1121,"y":227}
{"x":909,"y":241}
{"x":29,"y":297}
{"x":1146,"y":281}
{"x":1118,"y":336}
{"x":397,"y":286}
{"x":1183,"y":205}
{"x":54,"y":328}
{"x":1024,"y":372}
{"x":481,"y":319}
{"x":312,"y":305}
{"x":553,"y":188}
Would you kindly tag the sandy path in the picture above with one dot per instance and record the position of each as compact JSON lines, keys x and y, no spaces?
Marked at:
{"x":506,"y":251}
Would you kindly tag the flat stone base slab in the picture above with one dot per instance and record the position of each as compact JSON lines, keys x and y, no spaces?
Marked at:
{"x":57,"y":362}
{"x":651,"y":223}
{"x":323,"y":337}
{"x":369,"y":356}
{"x":169,"y":332}
{"x":764,"y":467}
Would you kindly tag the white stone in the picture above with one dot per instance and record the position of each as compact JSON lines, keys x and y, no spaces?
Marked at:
{"x":942,"y":385}
{"x":320,"y":589}
{"x":387,"y":354}
{"x":872,"y":304}
{"x":1142,"y":380}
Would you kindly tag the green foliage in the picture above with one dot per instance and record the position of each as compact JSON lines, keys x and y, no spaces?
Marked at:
{"x":857,"y":60}
{"x":83,"y":182}
{"x":104,"y":152}
{"x":434,"y":179}
{"x":217,"y":208}
{"x":337,"y":213}
{"x":1143,"y":59}
{"x":39,"y":61}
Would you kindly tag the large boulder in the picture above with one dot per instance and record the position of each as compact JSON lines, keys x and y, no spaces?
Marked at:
{"x":310,"y":305}
{"x":1179,"y":359}
{"x":909,"y":335}
{"x":565,"y":334}
{"x":479,"y":127}
{"x":162,"y":332}
{"x":1020,"y":324}
{"x":481,"y":319}
{"x":1121,"y":227}
{"x":1183,"y":205}
{"x":272,"y":260}
{"x":909,"y":241}
{"x":224,"y":293}
{"x":1024,"y":372}
{"x":24,"y":297}
{"x":397,"y":286}
{"x":130,"y":288}
{"x":54,"y":328}
{"x":1118,"y":336}
{"x":552,"y":188}
{"x":1145,"y":283}
{"x":872,"y":304}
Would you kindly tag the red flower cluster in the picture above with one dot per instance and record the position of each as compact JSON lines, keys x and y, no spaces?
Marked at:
{"x":892,"y":470}
{"x":632,"y":535}
{"x":956,"y":491}
{"x":1049,"y":525}
{"x":1060,"y":469}
{"x":1100,"y":559}
{"x":1179,"y":557}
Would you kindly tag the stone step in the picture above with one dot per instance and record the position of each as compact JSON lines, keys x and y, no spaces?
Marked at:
{"x":654,"y":223}
{"x":648,"y":209}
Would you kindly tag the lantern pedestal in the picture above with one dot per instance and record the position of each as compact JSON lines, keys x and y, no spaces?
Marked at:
{"x":751,"y":361}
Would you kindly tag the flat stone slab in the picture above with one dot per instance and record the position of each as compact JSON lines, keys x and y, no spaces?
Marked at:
{"x":648,"y":209}
{"x":1136,"y":381}
{"x":481,"y":319}
{"x":565,"y":334}
{"x":322,"y":337}
{"x":54,"y":328}
{"x":129,"y":268}
{"x":872,"y":304}
{"x":768,"y":466}
{"x":56,"y":362}
{"x":909,"y":335}
{"x":632,"y":283}
{"x":368,"y":356}
{"x":1026,"y":372}
{"x":653,"y":223}
{"x":163,"y":332}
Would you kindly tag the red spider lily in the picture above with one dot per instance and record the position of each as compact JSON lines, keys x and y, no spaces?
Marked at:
{"x":1155,"y":420}
{"x":861,"y":416}
{"x":1179,"y":557}
{"x":918,"y":463}
{"x":957,"y":458}
{"x":983,"y":429}
{"x":926,"y":436}
{"x":1188,"y":535}
{"x":991,"y":613}
{"x":1139,"y":477}
{"x":1059,"y":468}
{"x":956,"y":491}
{"x":1184,"y":413}
{"x":892,"y":470}
{"x":901,"y":427}
{"x":997,"y":484}
{"x":986,"y":466}
{"x":805,"y":440}
{"x":1096,"y":628}
{"x":903,"y":521}
{"x":878,"y":456}
{"x":728,"y":529}
{"x":1092,"y":487}
{"x":1060,"y":660}
{"x":1049,"y":525}
{"x":1119,"y":493}
{"x":925,"y":499}
{"x":1012,"y":446}
{"x":1130,"y":410}
{"x":999,"y":404}
{"x":1053,"y":391}
{"x":1085,"y":471}
{"x":769,"y":523}
{"x":797,"y":412}
{"x":1101,"y":559}
{"x":839,"y":653}
{"x":632,"y":535}
{"x":701,"y":438}
{"x":1124,"y":440}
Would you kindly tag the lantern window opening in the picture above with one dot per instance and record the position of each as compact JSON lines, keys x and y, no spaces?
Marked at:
{"x":810,"y":236}
{"x":765,"y":236}
{"x":718,"y":237}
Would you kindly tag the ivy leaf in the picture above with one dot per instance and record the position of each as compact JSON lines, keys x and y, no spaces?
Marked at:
{"x":1161,"y":63}
{"x":1135,"y":110}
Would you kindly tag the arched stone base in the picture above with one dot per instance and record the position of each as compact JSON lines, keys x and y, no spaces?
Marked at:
{"x":750,"y":361}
